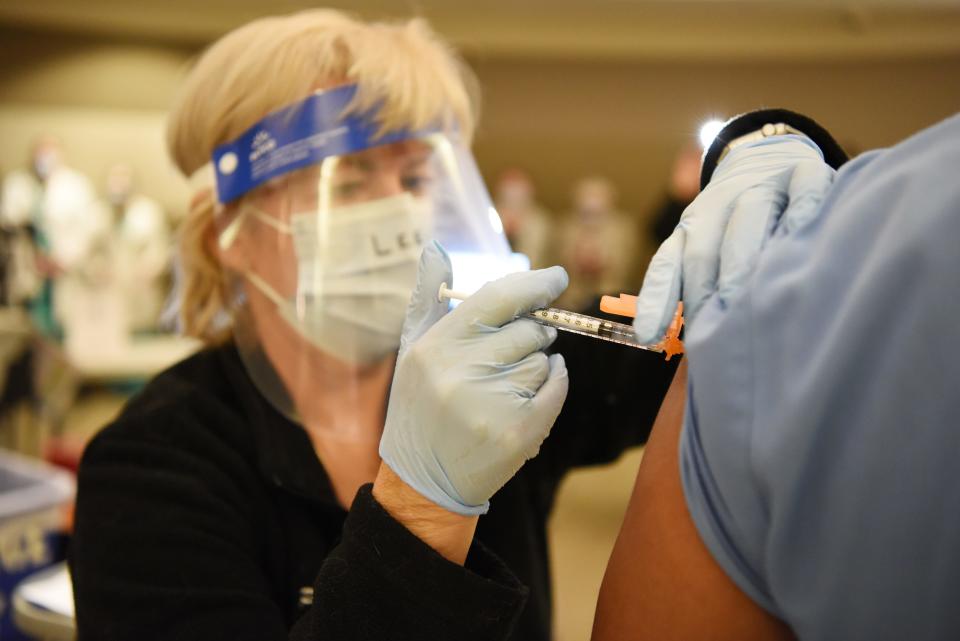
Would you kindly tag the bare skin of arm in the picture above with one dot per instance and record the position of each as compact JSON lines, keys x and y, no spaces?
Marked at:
{"x":661,"y":582}
{"x":448,"y":533}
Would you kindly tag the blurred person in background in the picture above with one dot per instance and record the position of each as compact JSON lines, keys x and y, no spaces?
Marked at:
{"x":232,"y":497}
{"x":55,"y":201}
{"x":597,"y":244}
{"x":683,"y":187}
{"x":143,"y":247}
{"x":525,"y":222}
{"x":120,"y":285}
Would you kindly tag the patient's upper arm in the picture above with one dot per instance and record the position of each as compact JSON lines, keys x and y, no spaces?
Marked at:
{"x":814,"y":480}
{"x":661,"y":582}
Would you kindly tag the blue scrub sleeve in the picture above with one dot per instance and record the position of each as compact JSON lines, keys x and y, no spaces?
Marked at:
{"x":820,"y":447}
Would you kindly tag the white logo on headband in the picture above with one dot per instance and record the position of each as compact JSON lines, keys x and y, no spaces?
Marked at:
{"x":263,"y":143}
{"x":227,"y":163}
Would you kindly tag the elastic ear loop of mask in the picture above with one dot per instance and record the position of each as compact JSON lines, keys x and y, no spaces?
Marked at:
{"x":266,"y":289}
{"x":229,"y":235}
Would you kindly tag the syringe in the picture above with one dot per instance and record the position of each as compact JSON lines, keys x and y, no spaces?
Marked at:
{"x":593,"y":327}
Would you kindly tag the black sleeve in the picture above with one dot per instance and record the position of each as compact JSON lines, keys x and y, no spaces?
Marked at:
{"x":166,"y":547}
{"x":615,"y":394}
{"x":383,"y":583}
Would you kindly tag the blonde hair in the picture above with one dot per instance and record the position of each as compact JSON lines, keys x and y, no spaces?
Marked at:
{"x":404,"y":69}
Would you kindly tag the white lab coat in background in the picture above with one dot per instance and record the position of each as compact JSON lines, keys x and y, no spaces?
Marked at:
{"x":122,"y":285}
{"x":144,"y":252}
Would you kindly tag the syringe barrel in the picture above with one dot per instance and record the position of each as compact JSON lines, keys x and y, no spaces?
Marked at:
{"x":589,"y":326}
{"x":566,"y":320}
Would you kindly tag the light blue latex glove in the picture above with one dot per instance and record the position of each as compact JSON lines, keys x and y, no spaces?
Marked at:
{"x":758,"y":187}
{"x":473,"y":394}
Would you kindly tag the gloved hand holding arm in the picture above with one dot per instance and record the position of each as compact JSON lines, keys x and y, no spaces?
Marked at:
{"x":757,"y":187}
{"x":473,"y":395}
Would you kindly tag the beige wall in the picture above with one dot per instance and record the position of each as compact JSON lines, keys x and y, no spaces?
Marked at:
{"x":105,"y":100}
{"x":560,"y":119}
{"x":626,"y":119}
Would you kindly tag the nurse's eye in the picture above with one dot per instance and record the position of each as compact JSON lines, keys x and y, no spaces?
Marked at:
{"x":347,"y":190}
{"x":416,"y":184}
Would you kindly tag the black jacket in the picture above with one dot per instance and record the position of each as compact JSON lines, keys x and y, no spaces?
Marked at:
{"x":204,"y":514}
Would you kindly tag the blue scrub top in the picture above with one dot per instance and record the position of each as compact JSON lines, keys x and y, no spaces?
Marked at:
{"x":821,"y":445}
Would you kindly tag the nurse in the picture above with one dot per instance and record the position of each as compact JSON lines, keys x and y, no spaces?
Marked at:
{"x":232,"y":498}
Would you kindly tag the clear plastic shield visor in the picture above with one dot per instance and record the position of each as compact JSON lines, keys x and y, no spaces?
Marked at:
{"x":340,"y":240}
{"x":326,"y":255}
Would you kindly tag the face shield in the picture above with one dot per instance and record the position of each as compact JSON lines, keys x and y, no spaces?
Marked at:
{"x":321,"y":220}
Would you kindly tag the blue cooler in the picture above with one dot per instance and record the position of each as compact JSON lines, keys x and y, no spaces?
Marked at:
{"x":33,"y":497}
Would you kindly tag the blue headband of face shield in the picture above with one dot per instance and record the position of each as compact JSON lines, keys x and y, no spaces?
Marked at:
{"x":297,"y":136}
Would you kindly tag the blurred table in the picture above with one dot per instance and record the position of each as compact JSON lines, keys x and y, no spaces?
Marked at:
{"x":43,"y":605}
{"x":139,"y":359}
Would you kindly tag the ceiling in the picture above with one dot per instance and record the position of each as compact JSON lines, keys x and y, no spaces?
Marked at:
{"x":582,"y":29}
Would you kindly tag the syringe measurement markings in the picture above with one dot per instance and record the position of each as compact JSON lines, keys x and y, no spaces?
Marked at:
{"x":561,"y":319}
{"x":609,"y":339}
{"x":589,"y":326}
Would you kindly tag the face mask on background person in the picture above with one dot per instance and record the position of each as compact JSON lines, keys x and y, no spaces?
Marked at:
{"x":45,"y":162}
